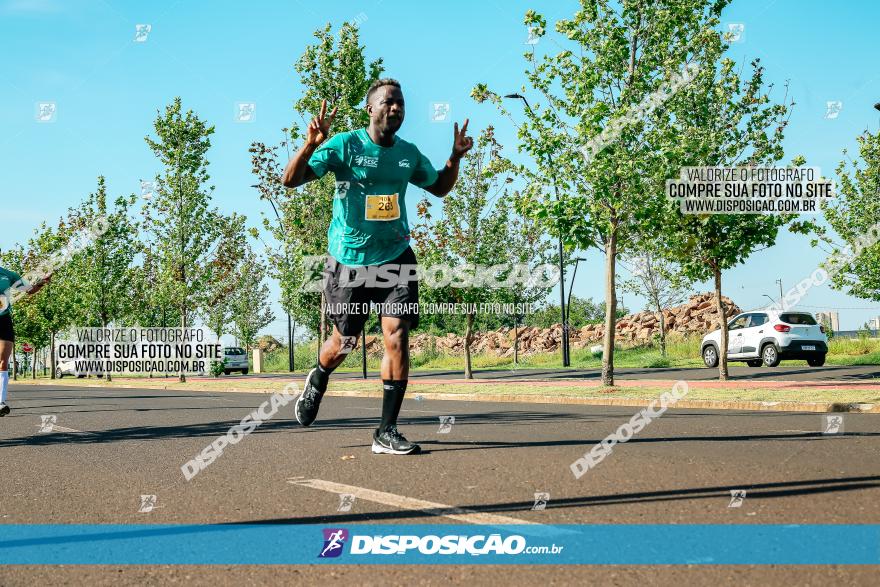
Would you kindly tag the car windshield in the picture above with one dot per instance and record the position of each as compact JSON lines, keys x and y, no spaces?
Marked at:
{"x":797,"y":319}
{"x":233,"y":351}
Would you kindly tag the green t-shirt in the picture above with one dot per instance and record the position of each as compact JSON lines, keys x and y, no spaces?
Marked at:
{"x":7,"y":280}
{"x":369,"y":225}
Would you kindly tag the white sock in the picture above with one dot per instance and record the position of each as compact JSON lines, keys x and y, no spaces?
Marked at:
{"x":4,"y":382}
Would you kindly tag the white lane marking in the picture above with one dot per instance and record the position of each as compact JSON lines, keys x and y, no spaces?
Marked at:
{"x":409,"y":503}
{"x":57,"y":428}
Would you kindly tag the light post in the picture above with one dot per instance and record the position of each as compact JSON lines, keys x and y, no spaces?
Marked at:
{"x":769,"y":298}
{"x":571,"y":287}
{"x":566,"y":362}
{"x":290,"y":355}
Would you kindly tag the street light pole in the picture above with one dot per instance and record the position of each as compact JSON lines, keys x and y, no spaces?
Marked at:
{"x":566,"y":359}
{"x":571,"y":287}
{"x":779,"y":281}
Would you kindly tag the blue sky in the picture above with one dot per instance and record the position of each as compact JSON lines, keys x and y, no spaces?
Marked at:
{"x":81,"y":55}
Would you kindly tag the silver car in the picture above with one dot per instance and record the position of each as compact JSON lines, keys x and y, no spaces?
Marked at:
{"x":236,"y":360}
{"x":767,"y":337}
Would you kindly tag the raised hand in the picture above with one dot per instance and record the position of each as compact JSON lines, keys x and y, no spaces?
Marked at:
{"x":461,"y":143}
{"x":319,"y":128}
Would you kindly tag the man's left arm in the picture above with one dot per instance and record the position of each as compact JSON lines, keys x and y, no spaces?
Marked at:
{"x":447,"y":176}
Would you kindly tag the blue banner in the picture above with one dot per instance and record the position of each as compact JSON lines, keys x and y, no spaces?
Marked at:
{"x":145,"y":544}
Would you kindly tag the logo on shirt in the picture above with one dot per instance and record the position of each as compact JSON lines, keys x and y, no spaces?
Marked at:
{"x":403,"y":163}
{"x":366,"y":161}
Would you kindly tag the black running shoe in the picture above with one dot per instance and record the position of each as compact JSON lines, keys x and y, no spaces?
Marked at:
{"x":392,"y":442}
{"x":308,"y":402}
{"x":4,"y":409}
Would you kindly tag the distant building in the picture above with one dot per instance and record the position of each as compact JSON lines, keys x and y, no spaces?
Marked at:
{"x":831,"y":319}
{"x":874,"y":323}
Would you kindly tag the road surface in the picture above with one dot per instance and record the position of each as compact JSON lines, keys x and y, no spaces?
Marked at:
{"x":109,"y":446}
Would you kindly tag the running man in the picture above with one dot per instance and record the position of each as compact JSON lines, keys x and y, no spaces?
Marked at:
{"x":369,"y":229}
{"x":10,"y":281}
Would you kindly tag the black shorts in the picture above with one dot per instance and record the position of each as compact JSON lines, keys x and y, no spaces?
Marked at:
{"x":351,"y":292}
{"x":7,"y":332}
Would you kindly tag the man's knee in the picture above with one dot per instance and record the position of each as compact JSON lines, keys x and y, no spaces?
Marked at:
{"x":396,"y":339}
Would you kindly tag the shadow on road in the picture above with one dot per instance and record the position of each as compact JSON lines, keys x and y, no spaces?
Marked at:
{"x":279,"y":424}
{"x":754,"y":491}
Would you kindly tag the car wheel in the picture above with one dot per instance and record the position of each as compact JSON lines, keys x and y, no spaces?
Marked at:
{"x":244,"y":371}
{"x":80,"y":376}
{"x":58,"y":373}
{"x":755,"y":363}
{"x":816,"y":361}
{"x":770,"y":355}
{"x":710,"y":356}
{"x":227,"y":372}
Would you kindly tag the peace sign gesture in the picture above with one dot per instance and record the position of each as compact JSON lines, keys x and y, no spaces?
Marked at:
{"x":461,"y":143}
{"x":319,"y":128}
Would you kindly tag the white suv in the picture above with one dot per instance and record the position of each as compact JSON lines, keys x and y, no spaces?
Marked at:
{"x":766,"y":338}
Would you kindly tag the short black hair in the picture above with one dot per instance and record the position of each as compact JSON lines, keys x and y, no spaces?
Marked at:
{"x":384,"y":81}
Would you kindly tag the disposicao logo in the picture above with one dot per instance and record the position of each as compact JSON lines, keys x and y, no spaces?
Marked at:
{"x":334,"y":540}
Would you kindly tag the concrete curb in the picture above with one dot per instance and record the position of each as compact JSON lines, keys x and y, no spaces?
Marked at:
{"x":706,"y":404}
{"x":745,"y":405}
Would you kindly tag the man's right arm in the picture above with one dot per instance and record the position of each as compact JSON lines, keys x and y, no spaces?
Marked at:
{"x":298,"y":170}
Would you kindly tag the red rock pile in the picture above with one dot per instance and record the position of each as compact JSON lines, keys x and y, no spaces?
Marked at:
{"x":696,"y":316}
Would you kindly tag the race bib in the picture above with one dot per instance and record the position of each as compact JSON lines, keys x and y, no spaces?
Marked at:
{"x":382,"y":207}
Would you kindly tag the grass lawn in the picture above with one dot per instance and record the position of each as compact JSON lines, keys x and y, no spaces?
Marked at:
{"x":681,"y":352}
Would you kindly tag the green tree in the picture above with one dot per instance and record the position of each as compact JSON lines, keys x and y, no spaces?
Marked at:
{"x":180,"y":219}
{"x":334,"y":69}
{"x":104,"y":269}
{"x":152,"y":305}
{"x":478,"y":228}
{"x":614,"y":56}
{"x":721,"y":119}
{"x":658,"y":280}
{"x":222,"y":285}
{"x":53,"y":309}
{"x":250,"y":300}
{"x":854,"y":216}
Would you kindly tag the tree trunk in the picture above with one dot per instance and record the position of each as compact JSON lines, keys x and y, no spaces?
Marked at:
{"x":52,"y":355}
{"x":182,"y":376}
{"x":107,"y":375}
{"x":516,"y":342}
{"x":468,"y":334}
{"x":610,"y":309}
{"x":662,"y":332}
{"x":34,"y":366}
{"x":722,"y":352}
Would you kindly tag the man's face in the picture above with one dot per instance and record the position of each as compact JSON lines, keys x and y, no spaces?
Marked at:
{"x":386,"y":109}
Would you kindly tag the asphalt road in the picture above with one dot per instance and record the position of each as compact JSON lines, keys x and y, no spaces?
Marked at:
{"x":110,"y":446}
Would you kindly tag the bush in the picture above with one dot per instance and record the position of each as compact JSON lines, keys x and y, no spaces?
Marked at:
{"x":218,"y":367}
{"x":658,"y":361}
